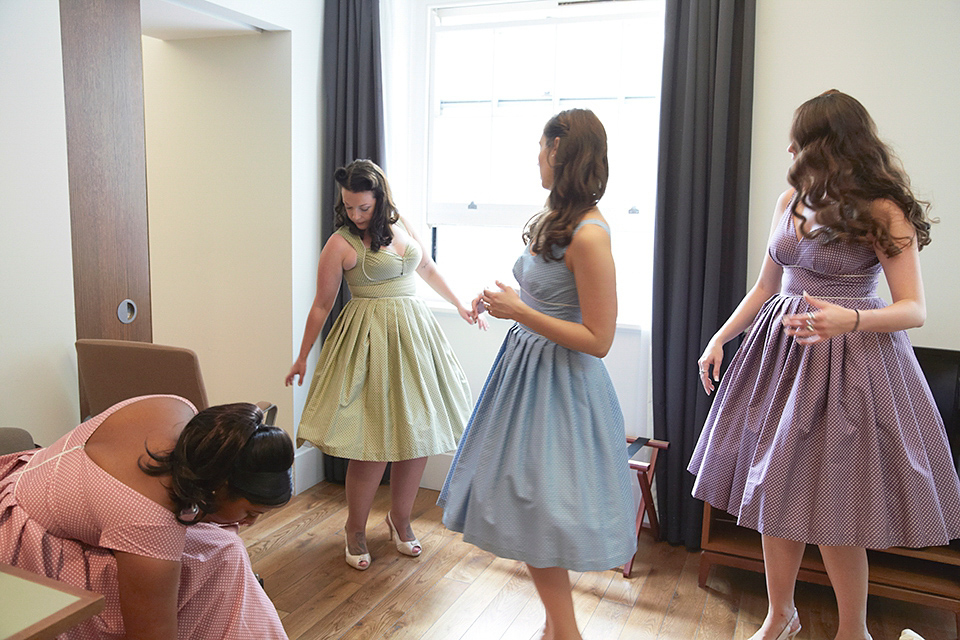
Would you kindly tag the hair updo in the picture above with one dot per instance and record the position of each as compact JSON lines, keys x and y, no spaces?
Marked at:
{"x":225,"y":447}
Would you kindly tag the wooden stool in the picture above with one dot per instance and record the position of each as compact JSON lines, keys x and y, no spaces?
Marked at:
{"x":645,"y":472}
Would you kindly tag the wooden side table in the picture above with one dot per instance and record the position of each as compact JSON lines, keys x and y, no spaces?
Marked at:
{"x":37,"y":607}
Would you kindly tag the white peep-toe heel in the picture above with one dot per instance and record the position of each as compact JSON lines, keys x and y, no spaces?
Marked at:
{"x":356,"y":561}
{"x":412,"y":548}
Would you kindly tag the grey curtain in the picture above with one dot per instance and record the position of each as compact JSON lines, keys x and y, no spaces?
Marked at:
{"x":352,"y":119}
{"x":701,"y":226}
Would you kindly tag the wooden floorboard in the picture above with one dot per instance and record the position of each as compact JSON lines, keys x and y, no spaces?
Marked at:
{"x":455,"y":591}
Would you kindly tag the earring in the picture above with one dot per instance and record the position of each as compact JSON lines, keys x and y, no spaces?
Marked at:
{"x":189,"y":514}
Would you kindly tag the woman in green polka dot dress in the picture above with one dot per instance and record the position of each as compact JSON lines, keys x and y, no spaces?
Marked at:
{"x":387,"y":387}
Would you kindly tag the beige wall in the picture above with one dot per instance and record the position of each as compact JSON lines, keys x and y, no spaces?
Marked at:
{"x":902,"y":61}
{"x":304,"y":20}
{"x":38,"y":380}
{"x":218,"y":177}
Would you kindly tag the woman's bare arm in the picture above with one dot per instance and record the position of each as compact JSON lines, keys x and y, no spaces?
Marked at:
{"x":149,"y":588}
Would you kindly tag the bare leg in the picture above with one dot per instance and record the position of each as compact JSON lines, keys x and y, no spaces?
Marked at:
{"x":553,"y":585}
{"x":363,"y":478}
{"x":781,"y":562}
{"x":848,"y":572}
{"x":405,"y":477}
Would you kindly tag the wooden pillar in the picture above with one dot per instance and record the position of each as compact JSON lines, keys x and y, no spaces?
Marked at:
{"x":106,"y":157}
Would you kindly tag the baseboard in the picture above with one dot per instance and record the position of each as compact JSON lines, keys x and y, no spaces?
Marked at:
{"x":436,"y":471}
{"x":307,"y":468}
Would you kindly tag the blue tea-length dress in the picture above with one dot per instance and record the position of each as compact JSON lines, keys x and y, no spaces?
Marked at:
{"x":541,"y":472}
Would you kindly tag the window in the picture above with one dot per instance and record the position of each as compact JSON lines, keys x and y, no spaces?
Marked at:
{"x":496,"y":74}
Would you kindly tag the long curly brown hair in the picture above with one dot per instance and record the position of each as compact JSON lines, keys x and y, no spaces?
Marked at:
{"x":841,"y":167}
{"x":360,"y":176}
{"x":579,"y":179}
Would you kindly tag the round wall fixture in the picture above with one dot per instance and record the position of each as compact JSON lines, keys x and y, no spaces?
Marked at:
{"x":127,"y":311}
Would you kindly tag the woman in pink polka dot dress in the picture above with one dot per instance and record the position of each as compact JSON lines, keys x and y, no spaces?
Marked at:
{"x":152,"y":529}
{"x":824,"y":430}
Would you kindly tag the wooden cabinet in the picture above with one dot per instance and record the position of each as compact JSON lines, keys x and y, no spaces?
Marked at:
{"x":929,"y":576}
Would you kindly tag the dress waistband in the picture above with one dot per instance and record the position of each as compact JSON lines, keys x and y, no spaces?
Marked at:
{"x":798,"y":280}
{"x":405,"y":288}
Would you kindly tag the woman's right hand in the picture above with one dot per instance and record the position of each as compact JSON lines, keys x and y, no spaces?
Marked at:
{"x":710,"y":360}
{"x":299,"y":368}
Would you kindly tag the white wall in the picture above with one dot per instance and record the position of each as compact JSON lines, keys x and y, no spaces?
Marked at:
{"x":38,"y":379}
{"x":902,"y":61}
{"x":217,"y":113}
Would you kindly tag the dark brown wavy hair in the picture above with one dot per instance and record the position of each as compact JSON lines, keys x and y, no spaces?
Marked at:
{"x":360,"y":176}
{"x":226,"y":446}
{"x":579,"y":179}
{"x":841,"y":167}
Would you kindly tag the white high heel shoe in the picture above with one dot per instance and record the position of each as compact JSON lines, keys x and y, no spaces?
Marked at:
{"x":356,"y":561}
{"x":787,"y":634}
{"x":412,"y":548}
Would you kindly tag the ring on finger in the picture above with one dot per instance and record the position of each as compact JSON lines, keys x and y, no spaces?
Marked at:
{"x":809,"y":326}
{"x":810,"y":316}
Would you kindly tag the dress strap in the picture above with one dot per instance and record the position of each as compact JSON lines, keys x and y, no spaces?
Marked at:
{"x":346,"y":234}
{"x":600,"y":223}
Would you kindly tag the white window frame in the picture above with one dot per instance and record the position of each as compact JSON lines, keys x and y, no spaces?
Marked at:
{"x":535,"y":12}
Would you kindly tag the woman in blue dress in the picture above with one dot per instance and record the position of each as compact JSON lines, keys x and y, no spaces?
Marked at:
{"x":541,"y":472}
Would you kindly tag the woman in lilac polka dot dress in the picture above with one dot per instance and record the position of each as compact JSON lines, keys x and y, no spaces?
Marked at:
{"x":824,"y":430}
{"x":141,"y":504}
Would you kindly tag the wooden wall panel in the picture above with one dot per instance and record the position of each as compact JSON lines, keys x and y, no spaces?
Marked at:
{"x":103,"y":87}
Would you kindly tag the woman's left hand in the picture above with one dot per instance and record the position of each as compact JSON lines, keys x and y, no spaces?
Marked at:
{"x":824,"y":321}
{"x":504,"y":303}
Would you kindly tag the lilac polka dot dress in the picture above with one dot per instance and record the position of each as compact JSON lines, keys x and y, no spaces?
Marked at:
{"x":835,"y":443}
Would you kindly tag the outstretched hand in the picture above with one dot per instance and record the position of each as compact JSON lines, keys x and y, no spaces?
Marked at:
{"x":824,"y":321}
{"x":472,"y":315}
{"x":299,"y":368}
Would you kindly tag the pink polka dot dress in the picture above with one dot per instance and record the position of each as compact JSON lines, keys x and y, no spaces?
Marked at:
{"x":62,"y":516}
{"x":835,"y":443}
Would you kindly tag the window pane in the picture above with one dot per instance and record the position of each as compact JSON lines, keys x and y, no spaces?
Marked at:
{"x":463,"y":65}
{"x":642,"y":56}
{"x":460,"y":153}
{"x":473,"y":258}
{"x":515,"y":144}
{"x":588,"y":60}
{"x":524,"y":62}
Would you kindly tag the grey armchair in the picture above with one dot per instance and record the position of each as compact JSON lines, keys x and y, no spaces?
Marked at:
{"x":13,"y":439}
{"x":112,"y":371}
